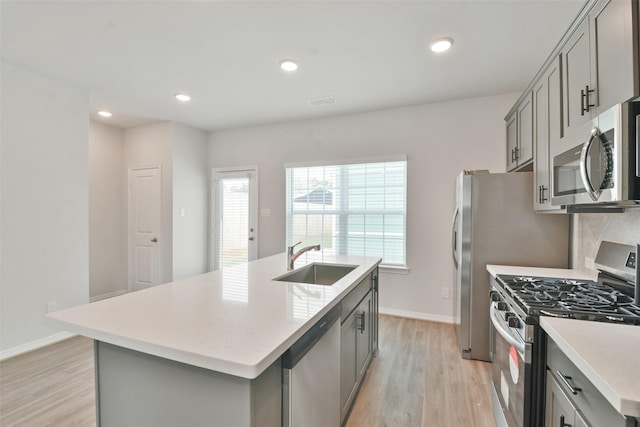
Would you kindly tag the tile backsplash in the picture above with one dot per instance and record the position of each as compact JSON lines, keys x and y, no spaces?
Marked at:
{"x":591,"y":229}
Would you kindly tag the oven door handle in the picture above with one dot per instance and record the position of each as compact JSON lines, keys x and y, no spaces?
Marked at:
{"x":504,"y":332}
{"x":584,"y":174}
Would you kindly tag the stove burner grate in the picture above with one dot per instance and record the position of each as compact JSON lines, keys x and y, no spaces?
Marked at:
{"x":586,"y":300}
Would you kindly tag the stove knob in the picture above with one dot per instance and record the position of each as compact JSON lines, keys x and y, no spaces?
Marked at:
{"x":508,"y":315}
{"x":501,"y":305}
{"x":495,"y":296}
{"x":514,"y":322}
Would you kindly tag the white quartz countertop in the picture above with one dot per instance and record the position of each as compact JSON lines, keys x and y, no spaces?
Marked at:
{"x":236,"y":321}
{"x":607,"y":354}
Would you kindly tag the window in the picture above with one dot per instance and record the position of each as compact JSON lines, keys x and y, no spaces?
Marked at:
{"x":353,"y":209}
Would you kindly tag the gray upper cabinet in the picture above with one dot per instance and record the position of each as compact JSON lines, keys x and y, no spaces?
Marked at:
{"x":520,"y":135}
{"x":547,"y":127}
{"x":577,"y":81}
{"x":595,"y":65}
{"x":600,"y":64}
{"x":512,"y":140}
{"x":614,"y":63}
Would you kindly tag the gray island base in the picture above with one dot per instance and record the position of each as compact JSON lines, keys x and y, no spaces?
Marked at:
{"x":135,"y":389}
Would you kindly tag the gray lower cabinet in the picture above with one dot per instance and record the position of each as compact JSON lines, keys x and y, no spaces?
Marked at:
{"x":348,"y":369}
{"x":572,"y":400}
{"x":358,"y":340}
{"x":560,"y":411}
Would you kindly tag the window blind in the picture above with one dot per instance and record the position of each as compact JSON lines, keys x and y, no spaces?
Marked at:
{"x":350,"y":209}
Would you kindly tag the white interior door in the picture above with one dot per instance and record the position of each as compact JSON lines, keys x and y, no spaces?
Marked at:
{"x":234,"y":224}
{"x":144,"y":227}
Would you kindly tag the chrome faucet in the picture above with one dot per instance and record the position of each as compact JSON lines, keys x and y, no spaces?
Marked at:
{"x":291,"y":257}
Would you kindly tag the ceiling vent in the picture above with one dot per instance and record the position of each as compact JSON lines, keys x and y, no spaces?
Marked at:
{"x":322,"y":101}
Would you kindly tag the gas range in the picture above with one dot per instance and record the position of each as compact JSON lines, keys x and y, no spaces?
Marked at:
{"x":518,"y":343}
{"x":573,"y":299}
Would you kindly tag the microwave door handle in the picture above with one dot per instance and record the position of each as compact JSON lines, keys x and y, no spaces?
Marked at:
{"x":584,"y":174}
{"x":454,"y":237}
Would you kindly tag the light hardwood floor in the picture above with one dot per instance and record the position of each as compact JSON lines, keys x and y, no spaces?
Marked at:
{"x":418,"y":379}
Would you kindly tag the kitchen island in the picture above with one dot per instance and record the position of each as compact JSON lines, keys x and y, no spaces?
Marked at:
{"x":206,"y":349}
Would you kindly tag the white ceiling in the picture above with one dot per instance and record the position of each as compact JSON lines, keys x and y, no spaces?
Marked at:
{"x":132,"y":56}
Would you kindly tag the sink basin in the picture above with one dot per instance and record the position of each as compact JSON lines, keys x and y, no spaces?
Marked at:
{"x":317,"y":274}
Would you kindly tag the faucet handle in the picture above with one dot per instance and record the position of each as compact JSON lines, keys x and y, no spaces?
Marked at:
{"x":293,"y":246}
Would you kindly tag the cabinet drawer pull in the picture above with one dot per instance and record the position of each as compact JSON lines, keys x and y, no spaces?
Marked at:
{"x":565,"y":379}
{"x":562,"y":423}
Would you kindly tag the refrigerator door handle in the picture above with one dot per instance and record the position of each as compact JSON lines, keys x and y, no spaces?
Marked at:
{"x":454,"y":237}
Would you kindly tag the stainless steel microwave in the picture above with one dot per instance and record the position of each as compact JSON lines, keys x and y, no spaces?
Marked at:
{"x":603,"y":170}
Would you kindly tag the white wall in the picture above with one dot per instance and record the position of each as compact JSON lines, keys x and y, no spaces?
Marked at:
{"x":190,"y":194}
{"x":439,"y":140}
{"x":151,"y":145}
{"x":107,"y":211}
{"x":44,"y":218}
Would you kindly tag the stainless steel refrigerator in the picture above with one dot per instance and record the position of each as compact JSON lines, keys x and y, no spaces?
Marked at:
{"x":494,"y":223}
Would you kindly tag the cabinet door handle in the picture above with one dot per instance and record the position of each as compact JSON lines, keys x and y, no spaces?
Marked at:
{"x":539,"y":193}
{"x":513,"y":155}
{"x":565,"y":379}
{"x":542,"y":198}
{"x":562,"y":423}
{"x":584,"y":100}
{"x":517,"y":153}
{"x":361,"y":317}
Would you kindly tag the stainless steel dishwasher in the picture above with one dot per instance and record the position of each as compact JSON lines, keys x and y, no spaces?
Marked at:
{"x":311,"y":376}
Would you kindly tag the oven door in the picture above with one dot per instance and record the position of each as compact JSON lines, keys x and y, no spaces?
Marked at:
{"x":511,"y":372}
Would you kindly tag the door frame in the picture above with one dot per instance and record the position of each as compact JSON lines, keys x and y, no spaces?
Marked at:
{"x":130,"y":234}
{"x":253,"y":210}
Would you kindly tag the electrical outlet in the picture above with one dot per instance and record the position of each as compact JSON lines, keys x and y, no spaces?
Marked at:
{"x":52,"y":306}
{"x":444,"y":293}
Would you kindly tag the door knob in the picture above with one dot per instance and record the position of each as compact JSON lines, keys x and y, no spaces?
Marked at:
{"x":154,"y":240}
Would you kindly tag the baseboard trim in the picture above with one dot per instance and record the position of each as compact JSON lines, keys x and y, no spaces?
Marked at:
{"x":34,"y":345}
{"x":108,"y":295}
{"x":416,"y":315}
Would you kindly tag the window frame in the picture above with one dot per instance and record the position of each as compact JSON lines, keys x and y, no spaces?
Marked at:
{"x":401,"y":268}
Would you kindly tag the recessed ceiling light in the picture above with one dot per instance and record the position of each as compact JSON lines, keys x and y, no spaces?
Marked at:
{"x":288,"y":65}
{"x":182,"y":97}
{"x":440,"y":45}
{"x":105,"y":113}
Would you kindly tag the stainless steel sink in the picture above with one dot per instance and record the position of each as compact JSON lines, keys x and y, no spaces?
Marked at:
{"x":317,"y":274}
